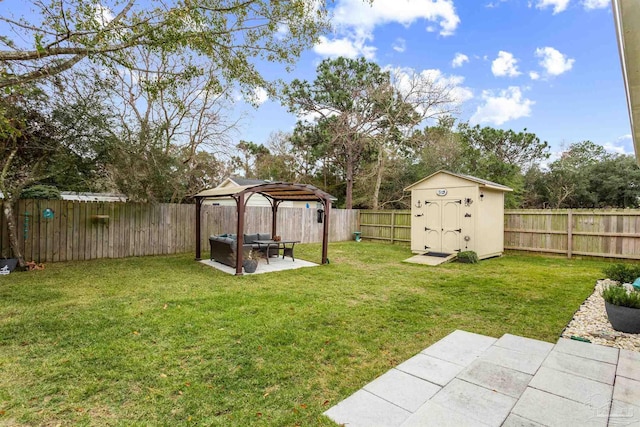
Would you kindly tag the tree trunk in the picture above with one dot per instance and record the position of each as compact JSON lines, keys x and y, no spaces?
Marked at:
{"x":7,"y":205}
{"x":379,"y":173}
{"x":349,"y":202}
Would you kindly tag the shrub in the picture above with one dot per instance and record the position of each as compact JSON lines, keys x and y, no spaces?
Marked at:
{"x":618,"y":295}
{"x":623,"y":273}
{"x":469,"y":257}
{"x":40,"y":191}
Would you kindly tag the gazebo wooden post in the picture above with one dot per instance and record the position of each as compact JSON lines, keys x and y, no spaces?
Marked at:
{"x":239,"y":233}
{"x":274,"y":217}
{"x":198,"y":233}
{"x":325,"y":230}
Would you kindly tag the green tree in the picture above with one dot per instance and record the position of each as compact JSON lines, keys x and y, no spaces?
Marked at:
{"x":349,"y":102}
{"x":29,"y":147}
{"x":231,"y":34}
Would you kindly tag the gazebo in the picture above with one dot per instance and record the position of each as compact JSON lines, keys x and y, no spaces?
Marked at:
{"x":275,"y":192}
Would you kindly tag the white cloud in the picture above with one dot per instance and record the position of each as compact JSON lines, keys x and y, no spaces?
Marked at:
{"x":347,"y":47}
{"x":507,"y":105}
{"x":596,"y":4}
{"x":364,"y":15}
{"x":400,"y":45}
{"x":615,"y":148}
{"x":534,"y":75}
{"x":505,"y":65}
{"x":103,"y":15}
{"x":355,"y":21}
{"x":459,"y":59}
{"x":554,"y":62}
{"x":260,"y":95}
{"x":558,"y":5}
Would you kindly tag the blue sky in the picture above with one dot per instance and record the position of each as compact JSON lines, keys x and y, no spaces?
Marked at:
{"x":550,"y":66}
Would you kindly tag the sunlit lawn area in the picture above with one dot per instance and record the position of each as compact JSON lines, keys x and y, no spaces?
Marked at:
{"x":168,"y":341}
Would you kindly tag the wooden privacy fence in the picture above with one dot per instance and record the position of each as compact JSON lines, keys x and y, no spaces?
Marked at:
{"x":598,"y":233}
{"x":58,"y":230}
{"x":392,"y":226}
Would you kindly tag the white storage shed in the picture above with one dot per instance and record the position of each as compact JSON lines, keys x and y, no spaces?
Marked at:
{"x":452,"y":212}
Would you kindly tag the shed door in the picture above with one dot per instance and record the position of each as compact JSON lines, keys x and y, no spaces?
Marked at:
{"x":442,"y":232}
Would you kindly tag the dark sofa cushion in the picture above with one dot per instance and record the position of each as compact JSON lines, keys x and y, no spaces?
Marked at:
{"x":264,"y":236}
{"x":250,"y":238}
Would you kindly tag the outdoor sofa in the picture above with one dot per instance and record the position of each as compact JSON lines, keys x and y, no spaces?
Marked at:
{"x":223,"y":247}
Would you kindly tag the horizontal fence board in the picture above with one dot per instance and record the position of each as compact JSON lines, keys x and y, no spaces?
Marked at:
{"x":597,"y":233}
{"x":92,"y":230}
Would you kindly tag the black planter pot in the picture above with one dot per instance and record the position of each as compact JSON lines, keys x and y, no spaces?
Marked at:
{"x":623,"y":319}
{"x":12,"y":263}
{"x":250,"y":265}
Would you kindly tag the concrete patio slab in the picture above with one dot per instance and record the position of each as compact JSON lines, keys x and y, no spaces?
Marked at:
{"x":624,"y":414}
{"x":460,"y":347}
{"x":627,"y":390}
{"x":433,"y":415}
{"x":588,"y":351}
{"x":275,"y":264}
{"x":587,"y":368}
{"x":494,"y":377}
{"x":429,"y":368}
{"x":573,"y":387}
{"x":473,"y":401}
{"x":629,"y":365}
{"x":524,"y":345}
{"x":510,"y":382}
{"x":555,"y":411}
{"x":403,"y":390}
{"x":363,"y":409}
{"x":520,"y":361}
{"x":514,"y":420}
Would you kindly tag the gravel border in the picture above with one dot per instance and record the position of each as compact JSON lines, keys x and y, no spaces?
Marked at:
{"x":591,"y":322}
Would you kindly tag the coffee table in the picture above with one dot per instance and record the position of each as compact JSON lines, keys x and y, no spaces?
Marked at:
{"x":280,"y":244}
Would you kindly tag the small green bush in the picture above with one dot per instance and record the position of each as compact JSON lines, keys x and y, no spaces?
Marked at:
{"x":469,"y":257}
{"x":41,"y":191}
{"x":618,"y":295}
{"x":623,"y":273}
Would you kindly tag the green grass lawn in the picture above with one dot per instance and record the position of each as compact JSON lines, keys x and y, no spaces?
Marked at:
{"x":168,"y":341}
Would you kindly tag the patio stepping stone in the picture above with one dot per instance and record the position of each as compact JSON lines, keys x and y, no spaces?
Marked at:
{"x":514,"y":420}
{"x":494,"y":377}
{"x":624,"y":414}
{"x":587,"y":350}
{"x":524,"y":345}
{"x":520,"y":361}
{"x":627,"y":390}
{"x":429,"y":368}
{"x":432,"y":414}
{"x":460,"y":347}
{"x":629,"y":365}
{"x":402,"y":389}
{"x":587,"y":368}
{"x":555,"y":411}
{"x":579,"y":389}
{"x":475,"y":402}
{"x":364,"y":409}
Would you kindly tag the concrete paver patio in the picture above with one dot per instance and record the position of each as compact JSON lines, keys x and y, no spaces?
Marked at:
{"x":467,"y":379}
{"x":275,"y":264}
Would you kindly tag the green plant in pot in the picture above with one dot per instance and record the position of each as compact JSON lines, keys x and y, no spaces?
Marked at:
{"x":623,"y":307}
{"x":250,"y":262}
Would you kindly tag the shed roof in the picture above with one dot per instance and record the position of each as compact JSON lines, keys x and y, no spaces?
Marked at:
{"x":482,"y":182}
{"x":273,"y":190}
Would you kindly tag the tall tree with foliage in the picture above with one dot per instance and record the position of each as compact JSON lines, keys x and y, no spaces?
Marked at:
{"x":29,"y":143}
{"x":501,"y":156}
{"x":58,"y":36}
{"x":349,"y":103}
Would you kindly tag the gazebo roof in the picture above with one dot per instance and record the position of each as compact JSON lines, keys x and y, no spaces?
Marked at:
{"x":273,"y":190}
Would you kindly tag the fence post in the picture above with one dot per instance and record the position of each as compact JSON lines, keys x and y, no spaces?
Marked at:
{"x":569,"y":234}
{"x":393,"y":226}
